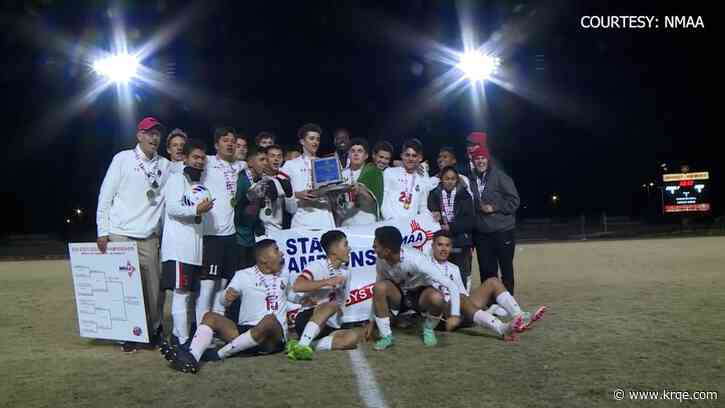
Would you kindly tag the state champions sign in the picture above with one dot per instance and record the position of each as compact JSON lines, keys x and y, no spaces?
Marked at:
{"x":302,"y":246}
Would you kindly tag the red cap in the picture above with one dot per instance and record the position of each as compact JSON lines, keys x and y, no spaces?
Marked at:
{"x":480,"y":151}
{"x":149,"y":122}
{"x":478,"y":138}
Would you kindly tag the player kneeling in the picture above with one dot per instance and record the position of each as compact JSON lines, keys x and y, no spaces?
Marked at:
{"x":324,"y":285}
{"x":491,"y":290}
{"x":262,"y":326}
{"x":407,"y":279}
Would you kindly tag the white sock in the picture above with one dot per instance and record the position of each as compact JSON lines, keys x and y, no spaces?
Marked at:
{"x":203,"y":302}
{"x":383,"y":324}
{"x":241,"y":343}
{"x":311,"y":331}
{"x":509,"y":303}
{"x":324,"y":344}
{"x":180,"y":315}
{"x":201,"y":341}
{"x":497,"y":310}
{"x":217,"y":306}
{"x":485,"y":319}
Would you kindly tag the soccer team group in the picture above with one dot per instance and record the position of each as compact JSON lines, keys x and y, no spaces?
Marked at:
{"x":213,"y":213}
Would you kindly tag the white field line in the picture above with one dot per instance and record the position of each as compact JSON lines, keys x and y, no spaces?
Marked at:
{"x":368,"y":388}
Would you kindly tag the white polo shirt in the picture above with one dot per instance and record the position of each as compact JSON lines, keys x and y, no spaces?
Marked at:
{"x":402,"y":187}
{"x":316,"y":215}
{"x":220,"y":178}
{"x":124,"y":206}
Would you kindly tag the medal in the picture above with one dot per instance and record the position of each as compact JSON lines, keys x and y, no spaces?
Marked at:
{"x":150,"y":194}
{"x":267,"y":211}
{"x":233,"y":202}
{"x":155,"y":184}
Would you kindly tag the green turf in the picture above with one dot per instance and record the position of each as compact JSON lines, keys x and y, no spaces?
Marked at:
{"x":644,"y":315}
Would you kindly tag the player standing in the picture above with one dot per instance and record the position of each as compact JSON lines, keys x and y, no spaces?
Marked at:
{"x":406,"y":187}
{"x":220,"y":248}
{"x":312,"y":211}
{"x":187,"y":200}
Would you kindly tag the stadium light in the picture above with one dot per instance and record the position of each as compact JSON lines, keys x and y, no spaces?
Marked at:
{"x":79,"y":211}
{"x":651,"y":184}
{"x":117,"y":68}
{"x":67,"y":220}
{"x":478,"y":66}
{"x":554,"y":198}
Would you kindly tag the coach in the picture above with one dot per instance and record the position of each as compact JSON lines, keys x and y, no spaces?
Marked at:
{"x":129,"y":209}
{"x":495,"y":201}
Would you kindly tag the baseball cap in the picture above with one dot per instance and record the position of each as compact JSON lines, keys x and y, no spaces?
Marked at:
{"x":480,"y":151}
{"x":149,"y":123}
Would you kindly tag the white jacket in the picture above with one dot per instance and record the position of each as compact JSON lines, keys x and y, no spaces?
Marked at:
{"x":123,"y":205}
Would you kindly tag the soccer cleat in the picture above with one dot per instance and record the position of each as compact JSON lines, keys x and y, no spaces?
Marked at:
{"x":429,"y":337}
{"x":383,"y":343}
{"x":168,"y":351}
{"x":299,"y":353}
{"x":517,"y":324}
{"x":290,"y":346}
{"x":185,"y":362}
{"x":129,"y":346}
{"x":530,"y":318}
{"x":511,"y":329}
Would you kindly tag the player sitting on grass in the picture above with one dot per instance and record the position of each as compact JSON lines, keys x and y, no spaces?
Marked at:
{"x":324,"y":286}
{"x":262,"y":326}
{"x":406,"y":279}
{"x":491,"y":290}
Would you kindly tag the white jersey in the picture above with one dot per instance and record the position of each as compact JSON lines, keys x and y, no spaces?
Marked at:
{"x":354,"y":214}
{"x":182,"y":237}
{"x":315,"y":215}
{"x":452,"y":272}
{"x":321,"y":269}
{"x":176,"y":167}
{"x":220,"y":177}
{"x":406,"y":195}
{"x":260,"y":294}
{"x":131,"y":200}
{"x":415,"y":270}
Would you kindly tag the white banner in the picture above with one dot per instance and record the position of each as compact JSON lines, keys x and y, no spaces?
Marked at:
{"x":109,"y":298}
{"x":302,"y":246}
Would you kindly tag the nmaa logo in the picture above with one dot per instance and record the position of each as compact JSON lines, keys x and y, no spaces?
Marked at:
{"x":127,"y":268}
{"x":418,"y":236}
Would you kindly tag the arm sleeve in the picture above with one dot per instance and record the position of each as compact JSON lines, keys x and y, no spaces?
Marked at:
{"x":509,"y":198}
{"x":109,"y":189}
{"x":434,"y":202}
{"x":426,"y":266}
{"x":175,"y":199}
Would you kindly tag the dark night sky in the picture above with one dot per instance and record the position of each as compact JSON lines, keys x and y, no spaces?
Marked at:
{"x":596,"y":112}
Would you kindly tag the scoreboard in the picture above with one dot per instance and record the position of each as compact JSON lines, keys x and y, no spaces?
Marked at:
{"x":686,"y":192}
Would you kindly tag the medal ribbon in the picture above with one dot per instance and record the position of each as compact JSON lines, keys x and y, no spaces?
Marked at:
{"x":447,"y":204}
{"x":271,"y":291}
{"x":151,"y":176}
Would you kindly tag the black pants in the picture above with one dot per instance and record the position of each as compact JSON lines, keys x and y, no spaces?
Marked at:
{"x":494,"y":250}
{"x":461,"y":257}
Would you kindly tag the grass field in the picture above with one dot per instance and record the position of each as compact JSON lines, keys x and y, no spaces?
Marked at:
{"x":634,"y":315}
